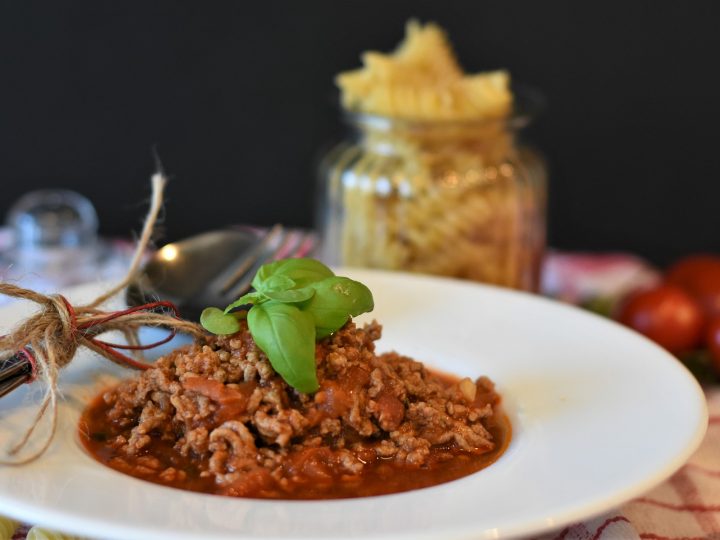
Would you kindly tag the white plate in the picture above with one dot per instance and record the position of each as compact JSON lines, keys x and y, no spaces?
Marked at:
{"x":600,"y":415}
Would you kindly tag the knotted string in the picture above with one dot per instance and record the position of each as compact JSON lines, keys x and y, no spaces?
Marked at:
{"x":50,"y":338}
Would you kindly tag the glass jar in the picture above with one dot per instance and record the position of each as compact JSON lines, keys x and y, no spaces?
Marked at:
{"x":54,"y":240}
{"x":461,"y":199}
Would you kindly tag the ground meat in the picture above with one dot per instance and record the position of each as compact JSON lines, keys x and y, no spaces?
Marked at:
{"x":222,"y":404}
{"x":233,"y":452}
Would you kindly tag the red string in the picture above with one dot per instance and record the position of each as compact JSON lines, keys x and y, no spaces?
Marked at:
{"x":128,"y":311}
{"x":118,"y":356}
{"x":110,"y":348}
{"x":33,"y":365}
{"x":157,"y":343}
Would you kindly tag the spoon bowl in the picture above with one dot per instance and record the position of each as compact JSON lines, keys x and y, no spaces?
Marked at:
{"x":213,"y":268}
{"x":179,"y":272}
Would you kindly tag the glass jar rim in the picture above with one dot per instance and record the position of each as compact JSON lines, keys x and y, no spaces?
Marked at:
{"x":528,"y":103}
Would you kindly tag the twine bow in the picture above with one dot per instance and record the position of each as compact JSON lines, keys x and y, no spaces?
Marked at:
{"x":50,"y":338}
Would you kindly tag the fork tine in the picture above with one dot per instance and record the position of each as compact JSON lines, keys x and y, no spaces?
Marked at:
{"x":294,"y":244}
{"x":213,"y":293}
{"x":258,"y":254}
{"x":287,"y":247}
{"x":299,"y":243}
{"x":306,"y":245}
{"x":270,"y":254}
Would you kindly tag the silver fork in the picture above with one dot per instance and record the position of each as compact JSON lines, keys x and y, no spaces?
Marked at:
{"x":211,"y":269}
{"x":277,"y":243}
{"x":214,"y":269}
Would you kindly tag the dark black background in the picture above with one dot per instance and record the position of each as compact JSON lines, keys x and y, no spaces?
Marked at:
{"x":239,"y":98}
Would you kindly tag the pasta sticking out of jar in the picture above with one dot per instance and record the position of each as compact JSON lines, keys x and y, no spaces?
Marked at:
{"x":422,"y":79}
{"x":434,"y":180}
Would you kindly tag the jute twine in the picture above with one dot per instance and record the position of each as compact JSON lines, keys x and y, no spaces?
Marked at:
{"x":50,"y":338}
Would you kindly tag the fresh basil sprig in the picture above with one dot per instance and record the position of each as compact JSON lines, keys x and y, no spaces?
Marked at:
{"x":295,"y":302}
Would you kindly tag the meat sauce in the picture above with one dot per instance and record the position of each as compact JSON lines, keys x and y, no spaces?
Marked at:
{"x":216,"y":418}
{"x":313,"y":471}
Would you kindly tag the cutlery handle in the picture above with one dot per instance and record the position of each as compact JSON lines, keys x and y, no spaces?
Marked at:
{"x":14,"y":371}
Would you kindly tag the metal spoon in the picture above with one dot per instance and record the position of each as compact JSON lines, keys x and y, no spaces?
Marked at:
{"x":214,"y":268}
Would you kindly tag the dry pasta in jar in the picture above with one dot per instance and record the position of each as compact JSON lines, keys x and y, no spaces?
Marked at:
{"x":434,"y":179}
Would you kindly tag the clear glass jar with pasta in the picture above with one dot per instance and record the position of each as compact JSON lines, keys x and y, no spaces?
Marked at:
{"x":459,"y":198}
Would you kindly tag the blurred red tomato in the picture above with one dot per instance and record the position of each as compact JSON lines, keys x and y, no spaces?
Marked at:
{"x":712,"y":340}
{"x":667,"y":315}
{"x":699,"y":275}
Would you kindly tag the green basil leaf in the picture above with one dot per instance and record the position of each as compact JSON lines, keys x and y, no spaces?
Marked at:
{"x":321,"y":333}
{"x":337,"y":299}
{"x":278,"y":282}
{"x":287,"y":336}
{"x":217,"y":322}
{"x":292,"y":296}
{"x":302,"y":271}
{"x":249,"y":298}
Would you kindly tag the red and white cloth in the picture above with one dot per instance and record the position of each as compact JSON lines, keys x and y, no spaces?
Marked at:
{"x":579,"y":277}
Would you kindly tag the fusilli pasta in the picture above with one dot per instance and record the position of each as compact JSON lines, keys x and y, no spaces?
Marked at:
{"x":7,"y":528}
{"x":37,"y":533}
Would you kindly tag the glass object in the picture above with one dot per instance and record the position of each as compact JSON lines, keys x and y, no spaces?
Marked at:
{"x":54,"y":239}
{"x":455,"y":198}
